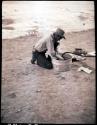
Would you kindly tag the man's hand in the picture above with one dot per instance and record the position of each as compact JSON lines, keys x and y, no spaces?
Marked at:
{"x":54,"y":57}
{"x":59,"y":57}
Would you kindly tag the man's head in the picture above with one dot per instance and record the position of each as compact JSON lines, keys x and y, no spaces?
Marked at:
{"x":59,"y":34}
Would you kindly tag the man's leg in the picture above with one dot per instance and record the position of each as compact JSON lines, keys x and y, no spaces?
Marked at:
{"x":44,"y":62}
{"x":34,"y":56}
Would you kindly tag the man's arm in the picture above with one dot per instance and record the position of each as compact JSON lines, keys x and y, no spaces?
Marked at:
{"x":51,"y":51}
{"x":50,"y":47}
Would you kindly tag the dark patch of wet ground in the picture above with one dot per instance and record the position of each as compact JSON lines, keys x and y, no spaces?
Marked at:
{"x":31,"y":94}
{"x":7,"y":21}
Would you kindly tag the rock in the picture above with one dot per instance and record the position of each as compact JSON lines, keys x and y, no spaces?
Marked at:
{"x":19,"y":110}
{"x":12,"y":95}
{"x":38,"y":90}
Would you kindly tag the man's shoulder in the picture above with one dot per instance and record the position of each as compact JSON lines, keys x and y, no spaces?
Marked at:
{"x":46,"y":38}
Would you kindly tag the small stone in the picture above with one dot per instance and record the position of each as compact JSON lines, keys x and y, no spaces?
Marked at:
{"x":18,"y":110}
{"x":12,"y":95}
{"x":62,"y":77}
{"x":38,"y":90}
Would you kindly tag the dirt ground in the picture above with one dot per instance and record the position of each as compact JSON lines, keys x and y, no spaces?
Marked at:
{"x":31,"y":94}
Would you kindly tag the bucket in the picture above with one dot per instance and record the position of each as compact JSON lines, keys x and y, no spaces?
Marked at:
{"x":63,"y":65}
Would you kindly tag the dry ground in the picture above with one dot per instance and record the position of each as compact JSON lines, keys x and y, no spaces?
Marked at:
{"x":31,"y":94}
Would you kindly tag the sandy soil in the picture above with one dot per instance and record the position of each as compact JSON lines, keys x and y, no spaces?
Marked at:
{"x":31,"y":94}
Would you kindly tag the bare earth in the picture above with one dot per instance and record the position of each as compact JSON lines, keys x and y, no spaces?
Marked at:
{"x":31,"y":94}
